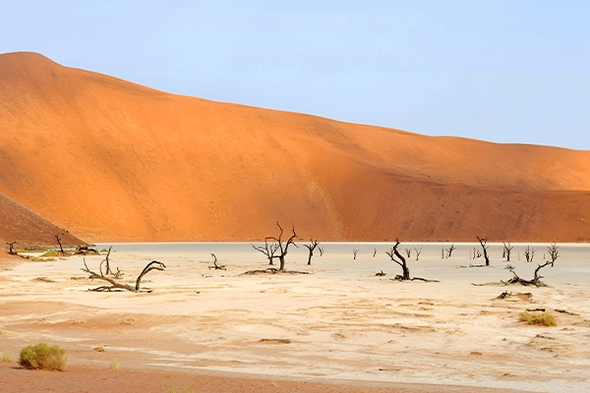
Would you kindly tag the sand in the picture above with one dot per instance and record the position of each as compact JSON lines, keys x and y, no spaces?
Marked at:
{"x":111,"y":160}
{"x":339,"y":329}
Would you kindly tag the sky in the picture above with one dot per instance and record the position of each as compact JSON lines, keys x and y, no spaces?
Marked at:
{"x":501,"y":71}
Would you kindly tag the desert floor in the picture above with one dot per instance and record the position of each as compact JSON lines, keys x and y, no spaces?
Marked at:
{"x":339,"y":329}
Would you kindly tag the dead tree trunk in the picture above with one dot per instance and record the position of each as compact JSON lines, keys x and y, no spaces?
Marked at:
{"x":450,"y":250}
{"x":396,"y":257}
{"x":507,"y":250}
{"x":61,"y":249}
{"x":311,"y":247}
{"x":283,"y":248}
{"x":536,"y":281}
{"x":107,"y":262}
{"x":354,"y":252}
{"x":484,"y":247}
{"x":11,"y":248}
{"x":153,"y":265}
{"x":215,"y":265}
{"x":418,"y":252}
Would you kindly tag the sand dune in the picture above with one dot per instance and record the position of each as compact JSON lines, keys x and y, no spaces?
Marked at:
{"x":110,"y":160}
{"x":19,"y":224}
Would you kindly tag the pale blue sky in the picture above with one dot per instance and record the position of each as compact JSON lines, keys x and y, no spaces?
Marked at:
{"x":502,"y":71}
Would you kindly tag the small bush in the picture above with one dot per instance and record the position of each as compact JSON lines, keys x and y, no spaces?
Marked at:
{"x":542,"y":319}
{"x":42,"y":356}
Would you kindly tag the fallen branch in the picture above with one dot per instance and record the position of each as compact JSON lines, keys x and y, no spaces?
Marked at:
{"x":272,"y":270}
{"x":153,"y":265}
{"x":215,"y":265}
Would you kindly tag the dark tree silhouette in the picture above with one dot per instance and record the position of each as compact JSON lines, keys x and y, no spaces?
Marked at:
{"x":396,"y":257}
{"x":61,"y":249}
{"x":529,"y":253}
{"x":484,"y":247}
{"x":153,"y":265}
{"x":268,"y":250}
{"x":418,"y":252}
{"x":553,"y":253}
{"x":507,"y":249}
{"x":283,"y":247}
{"x":311,"y":247}
{"x":11,"y":248}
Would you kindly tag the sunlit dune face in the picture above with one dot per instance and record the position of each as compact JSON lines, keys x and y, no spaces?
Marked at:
{"x":110,"y":160}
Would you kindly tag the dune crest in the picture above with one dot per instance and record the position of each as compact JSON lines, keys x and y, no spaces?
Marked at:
{"x":114,"y":161}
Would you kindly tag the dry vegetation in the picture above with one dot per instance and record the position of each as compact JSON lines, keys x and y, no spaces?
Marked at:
{"x":538,"y":318}
{"x":42,"y":356}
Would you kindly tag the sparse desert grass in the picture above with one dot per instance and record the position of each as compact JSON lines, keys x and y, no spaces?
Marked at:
{"x":49,"y":253}
{"x":6,"y":357}
{"x":538,"y":318}
{"x":42,"y":356}
{"x":114,"y":366}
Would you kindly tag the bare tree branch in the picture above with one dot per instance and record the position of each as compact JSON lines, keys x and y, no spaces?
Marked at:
{"x":153,"y":265}
{"x":311,"y":247}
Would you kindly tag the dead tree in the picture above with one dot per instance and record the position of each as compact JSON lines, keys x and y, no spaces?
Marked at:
{"x":374,"y":252}
{"x":61,"y":249}
{"x":321,"y":250}
{"x":418,"y":252}
{"x":153,"y":265}
{"x":268,"y":250}
{"x":215,"y":265}
{"x":11,"y":248}
{"x":536,"y":281}
{"x":108,"y":263}
{"x":354,"y":252}
{"x":408,"y":252}
{"x":529,"y":254}
{"x":396,"y":257}
{"x":553,"y":253}
{"x":311,"y":247}
{"x":450,"y":250}
{"x":282,"y":247}
{"x":506,"y":250}
{"x":484,"y":247}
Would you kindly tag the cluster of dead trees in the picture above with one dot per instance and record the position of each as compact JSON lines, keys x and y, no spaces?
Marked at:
{"x":277,"y":248}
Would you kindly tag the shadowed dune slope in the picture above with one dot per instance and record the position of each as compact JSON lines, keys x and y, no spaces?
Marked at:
{"x":111,"y":160}
{"x":19,"y":224}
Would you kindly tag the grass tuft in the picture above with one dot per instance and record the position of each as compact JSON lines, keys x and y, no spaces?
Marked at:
{"x":42,"y":356}
{"x":535,"y":318}
{"x":114,"y":366}
{"x":6,"y":357}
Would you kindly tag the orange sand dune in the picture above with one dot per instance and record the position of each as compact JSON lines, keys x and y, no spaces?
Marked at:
{"x":111,"y":160}
{"x":19,"y":224}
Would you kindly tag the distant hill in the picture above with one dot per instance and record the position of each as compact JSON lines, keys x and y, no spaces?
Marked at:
{"x":114,"y":161}
{"x":19,"y":224}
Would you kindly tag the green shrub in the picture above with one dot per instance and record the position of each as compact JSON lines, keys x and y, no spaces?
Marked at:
{"x":42,"y":356}
{"x":542,"y":319}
